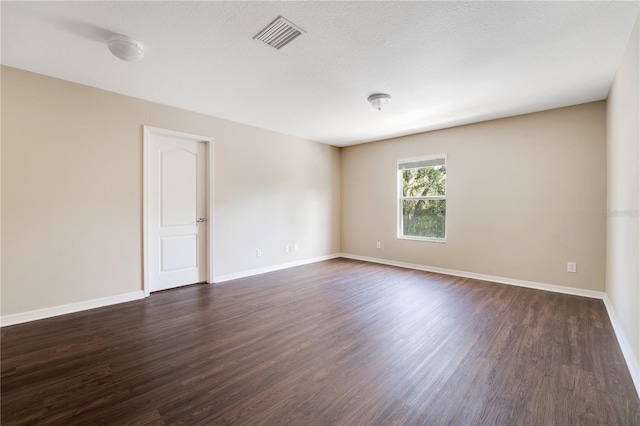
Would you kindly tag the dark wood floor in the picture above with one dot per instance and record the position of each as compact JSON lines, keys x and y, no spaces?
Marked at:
{"x":337,"y":342}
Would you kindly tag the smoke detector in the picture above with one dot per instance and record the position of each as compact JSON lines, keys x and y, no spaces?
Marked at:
{"x":126,"y":48}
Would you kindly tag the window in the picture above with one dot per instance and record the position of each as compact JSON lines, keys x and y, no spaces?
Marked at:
{"x":422,"y":195}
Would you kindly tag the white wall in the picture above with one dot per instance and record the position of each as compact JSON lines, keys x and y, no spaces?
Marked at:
{"x":72,"y":192}
{"x":525,"y":195}
{"x":623,"y":195}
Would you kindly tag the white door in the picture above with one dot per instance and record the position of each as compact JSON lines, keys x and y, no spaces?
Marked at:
{"x":176,"y":219}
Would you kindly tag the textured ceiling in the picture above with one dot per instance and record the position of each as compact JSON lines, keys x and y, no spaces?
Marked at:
{"x":444,"y":63}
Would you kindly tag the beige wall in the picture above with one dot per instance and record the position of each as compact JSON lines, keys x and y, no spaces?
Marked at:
{"x":72,"y":185}
{"x":525,"y":195}
{"x":623,"y":193}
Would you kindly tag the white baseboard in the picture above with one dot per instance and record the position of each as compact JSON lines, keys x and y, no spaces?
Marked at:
{"x":625,"y":346}
{"x":511,"y":281}
{"x":258,"y":271}
{"x":54,"y":311}
{"x":70,"y":308}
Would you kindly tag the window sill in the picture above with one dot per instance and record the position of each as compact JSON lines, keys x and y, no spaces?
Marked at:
{"x":429,"y":240}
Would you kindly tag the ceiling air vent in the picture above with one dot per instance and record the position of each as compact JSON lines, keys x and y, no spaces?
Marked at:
{"x":279,"y":33}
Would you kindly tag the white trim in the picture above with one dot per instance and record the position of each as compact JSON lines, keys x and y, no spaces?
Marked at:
{"x":422,"y":158}
{"x":625,"y":346}
{"x":400,"y":198}
{"x":258,"y":271}
{"x":502,"y":280}
{"x":148,"y":130}
{"x":431,"y":240}
{"x":70,"y":308}
{"x":210,"y":213}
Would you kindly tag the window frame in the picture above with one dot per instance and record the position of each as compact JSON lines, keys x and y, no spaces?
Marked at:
{"x":400,"y":198}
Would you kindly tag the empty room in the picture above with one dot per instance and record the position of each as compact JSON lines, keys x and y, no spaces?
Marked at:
{"x":320,"y":213}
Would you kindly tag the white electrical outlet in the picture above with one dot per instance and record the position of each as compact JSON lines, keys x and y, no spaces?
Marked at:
{"x":571,"y":267}
{"x":378,"y":245}
{"x":295,"y":247}
{"x":287,"y":248}
{"x":258,"y":253}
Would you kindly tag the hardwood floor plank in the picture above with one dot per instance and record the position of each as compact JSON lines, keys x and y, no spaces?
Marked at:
{"x":336,"y":342}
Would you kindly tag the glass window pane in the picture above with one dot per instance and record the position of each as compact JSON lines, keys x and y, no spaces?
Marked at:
{"x":428,"y":181}
{"x":423,"y":218}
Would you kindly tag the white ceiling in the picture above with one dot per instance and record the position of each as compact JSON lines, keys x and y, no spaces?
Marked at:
{"x":444,"y":63}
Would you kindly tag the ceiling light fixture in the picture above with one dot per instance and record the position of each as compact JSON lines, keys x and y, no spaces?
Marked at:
{"x":126,"y":48}
{"x":378,"y":100}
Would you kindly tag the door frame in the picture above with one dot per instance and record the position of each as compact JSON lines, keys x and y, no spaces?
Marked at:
{"x":147,"y":132}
